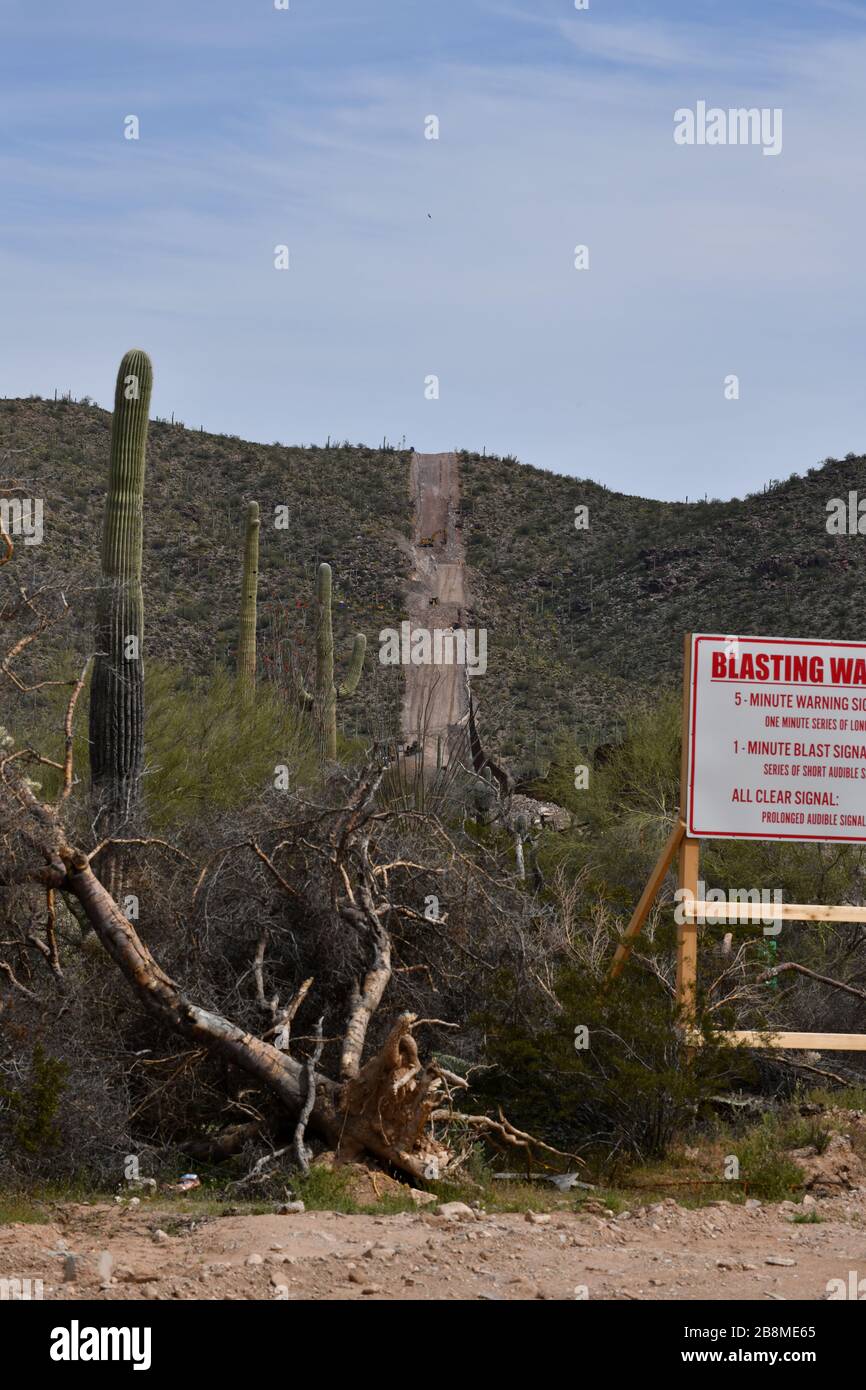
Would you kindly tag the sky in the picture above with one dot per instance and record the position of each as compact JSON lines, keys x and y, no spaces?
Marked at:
{"x":454,"y":258}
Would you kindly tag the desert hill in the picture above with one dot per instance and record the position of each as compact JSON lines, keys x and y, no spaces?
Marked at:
{"x":581,"y":622}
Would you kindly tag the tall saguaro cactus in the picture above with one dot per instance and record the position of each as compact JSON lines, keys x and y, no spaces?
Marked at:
{"x":117,"y":686}
{"x":324,"y":700}
{"x":249,"y":590}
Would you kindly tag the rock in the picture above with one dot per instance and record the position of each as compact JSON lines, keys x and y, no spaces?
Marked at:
{"x":537,"y":1218}
{"x":538,"y":814}
{"x":147,"y":1185}
{"x":455,"y":1211}
{"x":254,"y":1260}
{"x":421,"y":1199}
{"x":327,"y":1159}
{"x":372,"y":1288}
{"x":380,"y":1252}
{"x":290,"y":1208}
{"x":160,"y":1237}
{"x":778,"y":1260}
{"x":752,"y":1204}
{"x":838,"y":1166}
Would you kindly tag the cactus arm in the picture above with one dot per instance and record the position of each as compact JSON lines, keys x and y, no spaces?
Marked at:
{"x":356,"y":666}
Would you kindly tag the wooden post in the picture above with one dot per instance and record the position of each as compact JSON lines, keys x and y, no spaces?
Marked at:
{"x":689,"y":862}
{"x":687,"y":934}
{"x":647,"y":898}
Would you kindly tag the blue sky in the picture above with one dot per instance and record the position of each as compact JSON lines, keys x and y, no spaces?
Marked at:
{"x":261,"y":127}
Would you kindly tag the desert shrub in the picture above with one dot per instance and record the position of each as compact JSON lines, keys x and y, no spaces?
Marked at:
{"x":204,"y":749}
{"x":34,"y":1104}
{"x":622,"y":1096}
{"x":765,"y":1166}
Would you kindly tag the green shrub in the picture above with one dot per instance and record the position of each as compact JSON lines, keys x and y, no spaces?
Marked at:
{"x":205,"y":751}
{"x":33,"y":1106}
{"x":626,"y":1094}
{"x":202,"y":750}
{"x":766,"y":1168}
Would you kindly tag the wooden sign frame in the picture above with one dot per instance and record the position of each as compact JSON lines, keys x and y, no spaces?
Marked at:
{"x":687,"y":850}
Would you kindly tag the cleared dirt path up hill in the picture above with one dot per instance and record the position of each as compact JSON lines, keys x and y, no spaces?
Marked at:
{"x":436,"y":698}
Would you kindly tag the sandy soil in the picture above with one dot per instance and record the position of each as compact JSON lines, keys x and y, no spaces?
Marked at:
{"x":660,"y":1252}
{"x":435,"y":696}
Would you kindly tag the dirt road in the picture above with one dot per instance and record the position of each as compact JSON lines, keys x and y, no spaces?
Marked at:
{"x":436,"y":698}
{"x":662,"y":1251}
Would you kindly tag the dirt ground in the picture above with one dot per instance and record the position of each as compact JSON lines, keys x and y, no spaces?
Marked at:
{"x":722,"y":1251}
{"x":437,"y":696}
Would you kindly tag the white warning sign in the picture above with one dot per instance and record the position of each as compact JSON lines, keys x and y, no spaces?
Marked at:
{"x":777,"y":739}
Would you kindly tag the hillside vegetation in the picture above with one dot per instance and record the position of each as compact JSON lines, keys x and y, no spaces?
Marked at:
{"x":581,"y":623}
{"x":582,"y":620}
{"x":346,"y":505}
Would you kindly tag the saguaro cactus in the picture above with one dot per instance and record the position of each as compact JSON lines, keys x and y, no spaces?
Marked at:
{"x":323,"y":701}
{"x":117,"y":686}
{"x":249,"y":590}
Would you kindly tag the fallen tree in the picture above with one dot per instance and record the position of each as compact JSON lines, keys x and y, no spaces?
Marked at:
{"x":385,"y":1107}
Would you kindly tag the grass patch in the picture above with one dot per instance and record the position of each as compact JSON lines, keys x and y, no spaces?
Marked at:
{"x":35,"y":1208}
{"x":765,"y":1166}
{"x":325,"y":1189}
